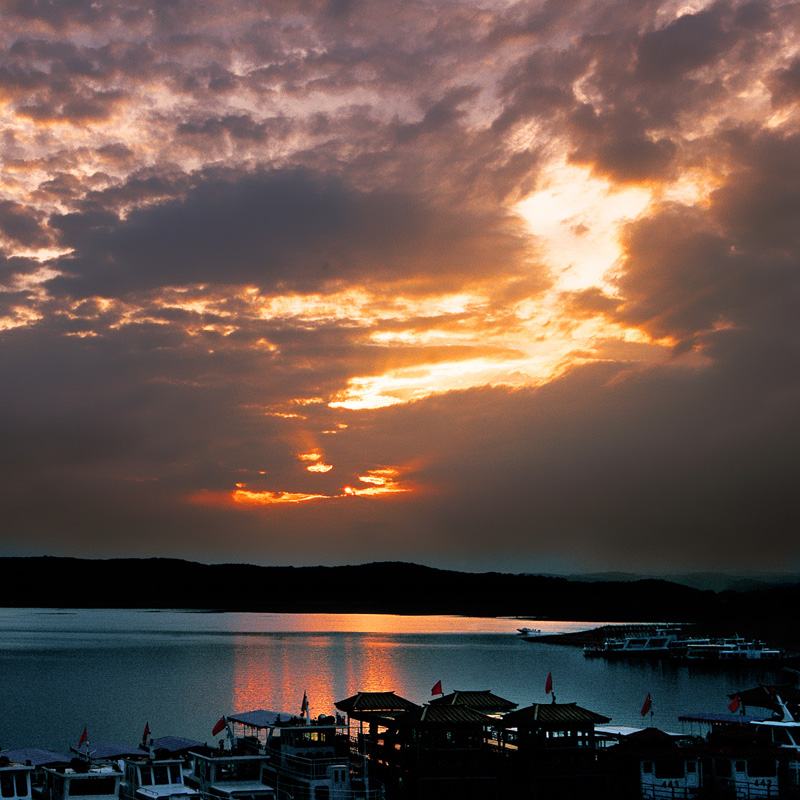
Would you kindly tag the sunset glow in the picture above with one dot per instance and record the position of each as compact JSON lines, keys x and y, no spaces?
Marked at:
{"x":576,"y":219}
{"x":504,"y":283}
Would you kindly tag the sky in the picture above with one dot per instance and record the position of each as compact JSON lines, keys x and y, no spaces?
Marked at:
{"x":481,"y":285}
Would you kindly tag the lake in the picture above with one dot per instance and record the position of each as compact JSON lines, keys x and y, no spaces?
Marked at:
{"x":179,"y":671}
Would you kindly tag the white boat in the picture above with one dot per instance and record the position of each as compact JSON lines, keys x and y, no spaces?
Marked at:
{"x":784,"y":733}
{"x":668,"y":643}
{"x":780,"y":732}
{"x":525,"y":632}
{"x":734,"y":648}
{"x":15,"y":780}
{"x":646,"y":642}
{"x":230,"y":775}
{"x":305,"y":757}
{"x":155,"y":779}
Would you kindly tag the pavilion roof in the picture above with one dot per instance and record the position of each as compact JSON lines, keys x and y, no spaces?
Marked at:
{"x":372,"y":702}
{"x":484,"y":701}
{"x":552,"y":715}
{"x":442,"y":716}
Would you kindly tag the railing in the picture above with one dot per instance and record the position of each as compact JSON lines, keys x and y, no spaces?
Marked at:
{"x":658,"y":792}
{"x":310,"y":768}
{"x":305,"y":793}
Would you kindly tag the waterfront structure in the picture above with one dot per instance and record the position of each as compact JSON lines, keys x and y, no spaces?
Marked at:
{"x":650,"y":764}
{"x":484,"y":702}
{"x":744,"y":765}
{"x":376,"y":710}
{"x":551,"y":749}
{"x":428,"y":752}
{"x":474,"y":744}
{"x":467,"y":745}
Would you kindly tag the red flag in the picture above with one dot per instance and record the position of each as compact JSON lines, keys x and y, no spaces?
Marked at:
{"x":734,"y":704}
{"x":146,"y":733}
{"x":647,"y":704}
{"x":304,"y":705}
{"x":84,"y":738}
{"x":219,"y":726}
{"x":437,"y":689}
{"x":548,"y":684}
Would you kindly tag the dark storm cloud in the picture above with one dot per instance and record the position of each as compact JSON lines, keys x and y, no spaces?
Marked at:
{"x":689,"y":42}
{"x":23,"y":224}
{"x":11,"y":269}
{"x":291,"y":228}
{"x":617,"y":147}
{"x":688,"y":270}
{"x":785,"y":84}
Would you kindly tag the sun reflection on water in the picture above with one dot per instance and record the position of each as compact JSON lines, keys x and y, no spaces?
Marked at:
{"x":278,"y":657}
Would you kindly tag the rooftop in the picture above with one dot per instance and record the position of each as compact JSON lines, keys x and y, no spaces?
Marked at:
{"x":553,"y":715}
{"x":365,"y":702}
{"x":445,"y":716}
{"x":484,"y":701}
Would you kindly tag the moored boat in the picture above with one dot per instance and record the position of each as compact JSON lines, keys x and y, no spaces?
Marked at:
{"x":668,"y":643}
{"x":15,"y":780}
{"x":654,"y":642}
{"x":730,"y":649}
{"x":230,"y":775}
{"x":155,"y":779}
{"x":304,"y":757}
{"x":79,"y":781}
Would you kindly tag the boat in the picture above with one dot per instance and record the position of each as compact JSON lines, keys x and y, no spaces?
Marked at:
{"x":15,"y":780}
{"x":154,"y":778}
{"x":305,"y":757}
{"x":525,"y":632}
{"x":655,"y":642}
{"x":668,"y":643}
{"x":81,"y":780}
{"x":776,"y":736}
{"x":230,"y":775}
{"x":731,"y":649}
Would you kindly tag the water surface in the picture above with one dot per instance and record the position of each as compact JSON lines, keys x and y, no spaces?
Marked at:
{"x":114,"y":671}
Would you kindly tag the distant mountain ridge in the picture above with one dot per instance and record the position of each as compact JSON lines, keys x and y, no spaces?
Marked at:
{"x":382,"y":587}
{"x":715,"y":581}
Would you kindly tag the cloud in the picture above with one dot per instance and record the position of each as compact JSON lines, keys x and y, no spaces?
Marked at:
{"x":689,"y":42}
{"x":288,"y":228}
{"x":23,"y":225}
{"x":233,"y":239}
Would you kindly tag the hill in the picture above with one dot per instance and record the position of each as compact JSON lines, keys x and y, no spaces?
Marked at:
{"x":384,"y":587}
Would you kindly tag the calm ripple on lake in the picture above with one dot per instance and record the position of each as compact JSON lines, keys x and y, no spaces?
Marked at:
{"x":114,"y":671}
